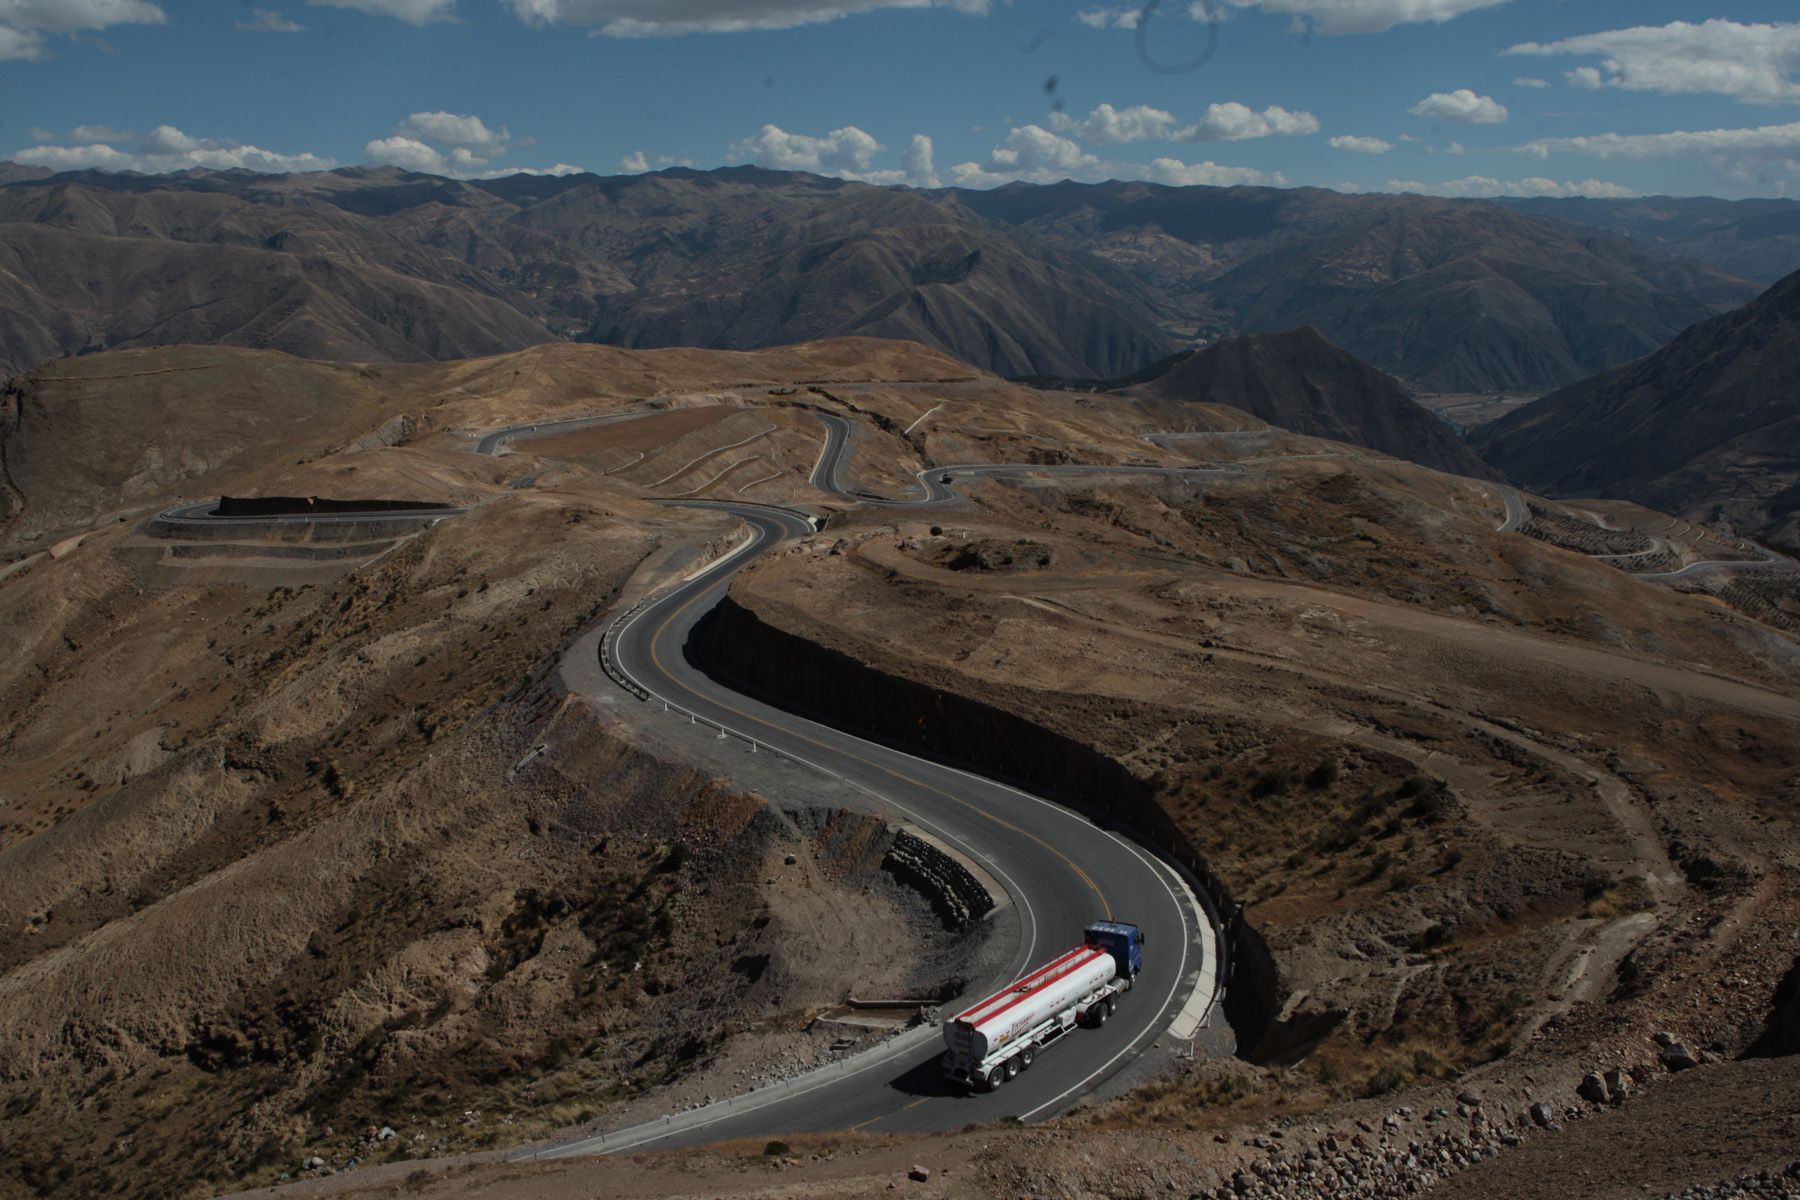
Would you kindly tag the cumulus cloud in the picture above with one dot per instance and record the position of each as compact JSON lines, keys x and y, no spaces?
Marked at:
{"x":1481,"y":187}
{"x":27,"y":25}
{"x":1754,"y":64}
{"x":455,"y":129}
{"x":671,"y":18}
{"x":1176,"y":173}
{"x":1037,"y":155}
{"x":163,"y":150}
{"x":1585,"y":77}
{"x":1332,"y":17}
{"x":1356,"y":144}
{"x":1228,"y":122}
{"x":413,"y":12}
{"x":268,"y":20}
{"x":457,"y":145}
{"x":1461,"y":105}
{"x":638,"y":162}
{"x":918,"y":162}
{"x":1779,"y":143}
{"x":1110,"y":18}
{"x":1234,"y":122}
{"x":845,"y":152}
{"x":1530,"y":81}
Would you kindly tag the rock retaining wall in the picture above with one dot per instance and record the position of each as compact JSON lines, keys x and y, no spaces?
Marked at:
{"x":958,"y":898}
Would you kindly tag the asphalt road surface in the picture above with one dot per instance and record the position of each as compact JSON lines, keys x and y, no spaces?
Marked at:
{"x":1060,"y":870}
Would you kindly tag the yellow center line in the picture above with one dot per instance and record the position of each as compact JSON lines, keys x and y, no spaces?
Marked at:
{"x":656,"y":657}
{"x":861,"y":1125}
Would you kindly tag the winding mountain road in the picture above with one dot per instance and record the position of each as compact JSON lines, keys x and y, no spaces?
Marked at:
{"x":1060,"y":871}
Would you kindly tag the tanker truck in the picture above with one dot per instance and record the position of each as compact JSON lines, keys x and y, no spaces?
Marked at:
{"x":996,"y":1039}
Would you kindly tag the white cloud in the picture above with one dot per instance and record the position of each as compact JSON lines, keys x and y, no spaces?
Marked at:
{"x":24,"y":24}
{"x":1176,"y":173}
{"x":456,"y":145}
{"x":1037,"y":155}
{"x":1461,"y":105}
{"x":1032,"y":153}
{"x":1356,"y":144}
{"x":1111,"y":126}
{"x":1228,"y":122}
{"x":88,"y":134}
{"x":1585,"y":77}
{"x":1755,"y":64}
{"x":454,"y":129}
{"x":1110,"y":18}
{"x":918,"y":162}
{"x":560,"y":169}
{"x":637,"y":162}
{"x":1455,"y":148}
{"x":409,"y":154}
{"x":413,"y":12}
{"x":1331,"y":17}
{"x":268,"y":20}
{"x":670,"y":18}
{"x":845,"y":152}
{"x":166,"y":149}
{"x":1737,"y":155}
{"x":1530,"y":81}
{"x":1482,"y":187}
{"x":1234,"y":122}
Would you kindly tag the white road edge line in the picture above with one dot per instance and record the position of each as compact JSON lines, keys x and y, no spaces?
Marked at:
{"x":1160,"y":870}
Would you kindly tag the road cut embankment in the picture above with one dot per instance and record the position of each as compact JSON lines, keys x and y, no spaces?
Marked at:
{"x":737,"y":645}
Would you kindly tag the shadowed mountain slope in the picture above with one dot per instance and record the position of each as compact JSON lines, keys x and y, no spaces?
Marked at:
{"x":1450,"y":295}
{"x":1708,"y":426}
{"x":1070,"y":280}
{"x":1301,"y":382}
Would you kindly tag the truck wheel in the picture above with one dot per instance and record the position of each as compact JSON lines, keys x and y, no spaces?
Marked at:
{"x":1012,"y":1068}
{"x":995,"y":1078}
{"x":1025,"y":1059}
{"x":1129,"y":980}
{"x":1109,"y":1005}
{"x":1097,"y":1015}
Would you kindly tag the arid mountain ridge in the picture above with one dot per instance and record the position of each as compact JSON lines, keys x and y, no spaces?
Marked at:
{"x":1708,"y":426}
{"x":1073,"y":280}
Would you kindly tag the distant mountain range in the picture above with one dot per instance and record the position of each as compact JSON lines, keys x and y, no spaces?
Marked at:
{"x":1300,"y":382}
{"x":1757,"y":239}
{"x":1708,"y":426}
{"x":1072,"y":280}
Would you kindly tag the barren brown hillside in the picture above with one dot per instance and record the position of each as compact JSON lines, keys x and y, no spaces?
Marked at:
{"x":306,"y":839}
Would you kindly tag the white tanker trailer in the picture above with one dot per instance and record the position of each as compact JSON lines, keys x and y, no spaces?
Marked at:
{"x":996,"y":1039}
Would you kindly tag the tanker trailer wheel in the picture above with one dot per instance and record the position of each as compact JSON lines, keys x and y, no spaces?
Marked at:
{"x":1097,"y":1015}
{"x":1025,"y":1058}
{"x":1012,"y":1068}
{"x":1108,"y":1002}
{"x":995,"y":1078}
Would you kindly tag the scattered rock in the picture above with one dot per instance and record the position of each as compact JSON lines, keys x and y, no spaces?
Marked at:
{"x":1543,"y":1116}
{"x":1677,"y":1057}
{"x":1593,"y":1089}
{"x":919,"y":1174}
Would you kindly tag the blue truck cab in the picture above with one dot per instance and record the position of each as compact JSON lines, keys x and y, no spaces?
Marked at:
{"x":1124,"y":942}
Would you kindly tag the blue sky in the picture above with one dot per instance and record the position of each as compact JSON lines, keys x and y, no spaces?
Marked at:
{"x":1470,"y":97}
